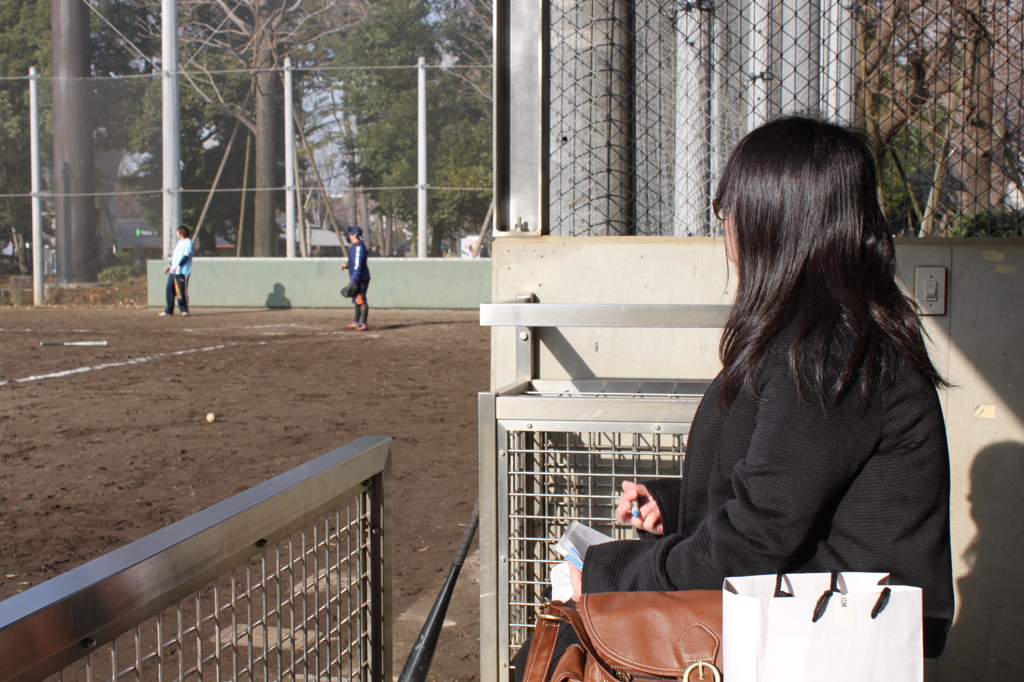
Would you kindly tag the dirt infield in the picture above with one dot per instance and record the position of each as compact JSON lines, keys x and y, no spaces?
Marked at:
{"x":91,"y":460}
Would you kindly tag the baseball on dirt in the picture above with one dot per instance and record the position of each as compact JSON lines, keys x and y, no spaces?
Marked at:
{"x":211,"y":417}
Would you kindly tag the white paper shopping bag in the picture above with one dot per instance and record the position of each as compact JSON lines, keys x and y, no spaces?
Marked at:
{"x":841,"y":627}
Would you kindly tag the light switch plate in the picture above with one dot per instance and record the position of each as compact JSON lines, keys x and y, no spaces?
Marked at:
{"x":930,"y":289}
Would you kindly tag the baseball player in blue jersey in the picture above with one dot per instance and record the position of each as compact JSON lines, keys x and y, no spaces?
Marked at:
{"x":178,"y":271}
{"x":359,"y":277}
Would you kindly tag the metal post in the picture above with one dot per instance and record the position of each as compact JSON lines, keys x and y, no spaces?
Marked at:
{"x":37,"y":204}
{"x":490,"y":620}
{"x":522,"y":128}
{"x":171,"y":123}
{"x":74,"y":169}
{"x":421,"y":161}
{"x":380,"y":569}
{"x":289,"y":162}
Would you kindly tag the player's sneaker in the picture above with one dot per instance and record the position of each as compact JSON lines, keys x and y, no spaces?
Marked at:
{"x":185,"y":314}
{"x":165,"y":314}
{"x":352,"y":325}
{"x":363,"y":328}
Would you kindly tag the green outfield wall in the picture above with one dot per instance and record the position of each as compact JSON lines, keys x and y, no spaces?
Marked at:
{"x":317,"y":282}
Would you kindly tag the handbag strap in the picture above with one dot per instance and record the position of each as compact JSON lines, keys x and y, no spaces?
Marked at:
{"x":542,"y":646}
{"x":545,"y":634}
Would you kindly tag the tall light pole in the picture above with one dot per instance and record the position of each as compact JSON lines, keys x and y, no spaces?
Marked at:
{"x":37,"y":202}
{"x":73,"y":167}
{"x":171,"y":123}
{"x":421,"y":160}
{"x":289,"y":161}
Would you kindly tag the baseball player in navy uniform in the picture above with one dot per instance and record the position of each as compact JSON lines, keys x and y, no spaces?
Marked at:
{"x":359,"y":276}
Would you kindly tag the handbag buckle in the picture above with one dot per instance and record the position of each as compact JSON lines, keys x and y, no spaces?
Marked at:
{"x":624,"y":676}
{"x":700,"y":665}
{"x":548,"y":616}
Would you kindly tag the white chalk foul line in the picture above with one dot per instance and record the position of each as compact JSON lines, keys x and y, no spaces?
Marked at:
{"x":192,"y":330}
{"x":351,"y":335}
{"x":50,"y":331}
{"x":108,"y":365}
{"x":203,"y":330}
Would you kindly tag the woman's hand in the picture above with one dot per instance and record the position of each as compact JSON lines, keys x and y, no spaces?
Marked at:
{"x":576,"y":577}
{"x":649,"y":518}
{"x":167,"y":269}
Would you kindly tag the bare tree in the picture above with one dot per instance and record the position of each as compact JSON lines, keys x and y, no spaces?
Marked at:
{"x":908,"y":60}
{"x":255,"y":36}
{"x":468,"y":42}
{"x":930,"y":69}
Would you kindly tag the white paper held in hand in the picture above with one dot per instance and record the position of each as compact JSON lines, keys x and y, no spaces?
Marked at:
{"x":575,"y":541}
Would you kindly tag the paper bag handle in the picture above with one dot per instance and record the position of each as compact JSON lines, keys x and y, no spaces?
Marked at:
{"x":822,"y":604}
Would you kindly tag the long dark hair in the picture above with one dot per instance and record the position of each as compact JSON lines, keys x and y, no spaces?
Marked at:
{"x":813,"y":249}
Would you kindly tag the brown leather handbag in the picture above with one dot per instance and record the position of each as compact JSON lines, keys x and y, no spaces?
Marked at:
{"x":626,"y":636}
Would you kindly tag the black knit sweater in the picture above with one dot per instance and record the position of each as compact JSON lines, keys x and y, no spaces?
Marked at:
{"x":784,"y":484}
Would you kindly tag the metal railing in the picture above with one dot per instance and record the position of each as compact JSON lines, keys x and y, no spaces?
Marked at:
{"x":552,"y":451}
{"x":290,"y":579}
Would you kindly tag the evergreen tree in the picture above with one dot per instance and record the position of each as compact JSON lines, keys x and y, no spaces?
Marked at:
{"x":382,"y":104}
{"x":24,"y":42}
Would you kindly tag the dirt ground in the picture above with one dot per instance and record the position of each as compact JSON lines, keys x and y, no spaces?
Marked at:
{"x":92,"y":460}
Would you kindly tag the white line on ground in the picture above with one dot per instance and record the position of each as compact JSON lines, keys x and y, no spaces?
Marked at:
{"x":354,"y":335}
{"x":107,"y":365}
{"x":193,"y":330}
{"x":203,"y":330}
{"x":52,"y":331}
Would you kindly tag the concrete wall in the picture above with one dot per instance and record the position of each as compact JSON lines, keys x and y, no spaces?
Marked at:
{"x":317,"y":282}
{"x":977,"y":345}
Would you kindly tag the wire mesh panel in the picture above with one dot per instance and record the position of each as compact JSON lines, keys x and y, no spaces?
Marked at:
{"x":298,"y":610}
{"x":288,"y":580}
{"x":648,"y":98}
{"x":556,"y":477}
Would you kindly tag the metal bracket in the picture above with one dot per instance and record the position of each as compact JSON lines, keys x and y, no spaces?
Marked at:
{"x":525,"y":344}
{"x":524,"y":353}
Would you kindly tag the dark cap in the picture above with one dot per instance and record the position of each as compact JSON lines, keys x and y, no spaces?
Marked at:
{"x":356,"y":230}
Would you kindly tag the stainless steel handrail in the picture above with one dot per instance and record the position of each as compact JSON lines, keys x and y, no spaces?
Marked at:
{"x":61,"y":620}
{"x":604,"y":315}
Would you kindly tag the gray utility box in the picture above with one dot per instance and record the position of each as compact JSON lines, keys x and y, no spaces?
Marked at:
{"x":557,"y":450}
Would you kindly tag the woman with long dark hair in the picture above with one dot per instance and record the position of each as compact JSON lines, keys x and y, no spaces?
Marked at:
{"x":821,"y":444}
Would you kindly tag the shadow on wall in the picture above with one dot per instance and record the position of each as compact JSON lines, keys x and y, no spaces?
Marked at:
{"x":277,"y":299}
{"x":988,"y":629}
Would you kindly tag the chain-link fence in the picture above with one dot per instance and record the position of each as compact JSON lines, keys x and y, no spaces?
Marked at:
{"x":355,"y":146}
{"x":102,"y":202}
{"x":648,"y":97}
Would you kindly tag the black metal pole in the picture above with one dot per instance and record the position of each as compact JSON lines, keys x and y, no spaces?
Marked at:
{"x":77,"y":248}
{"x":418,"y":664}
